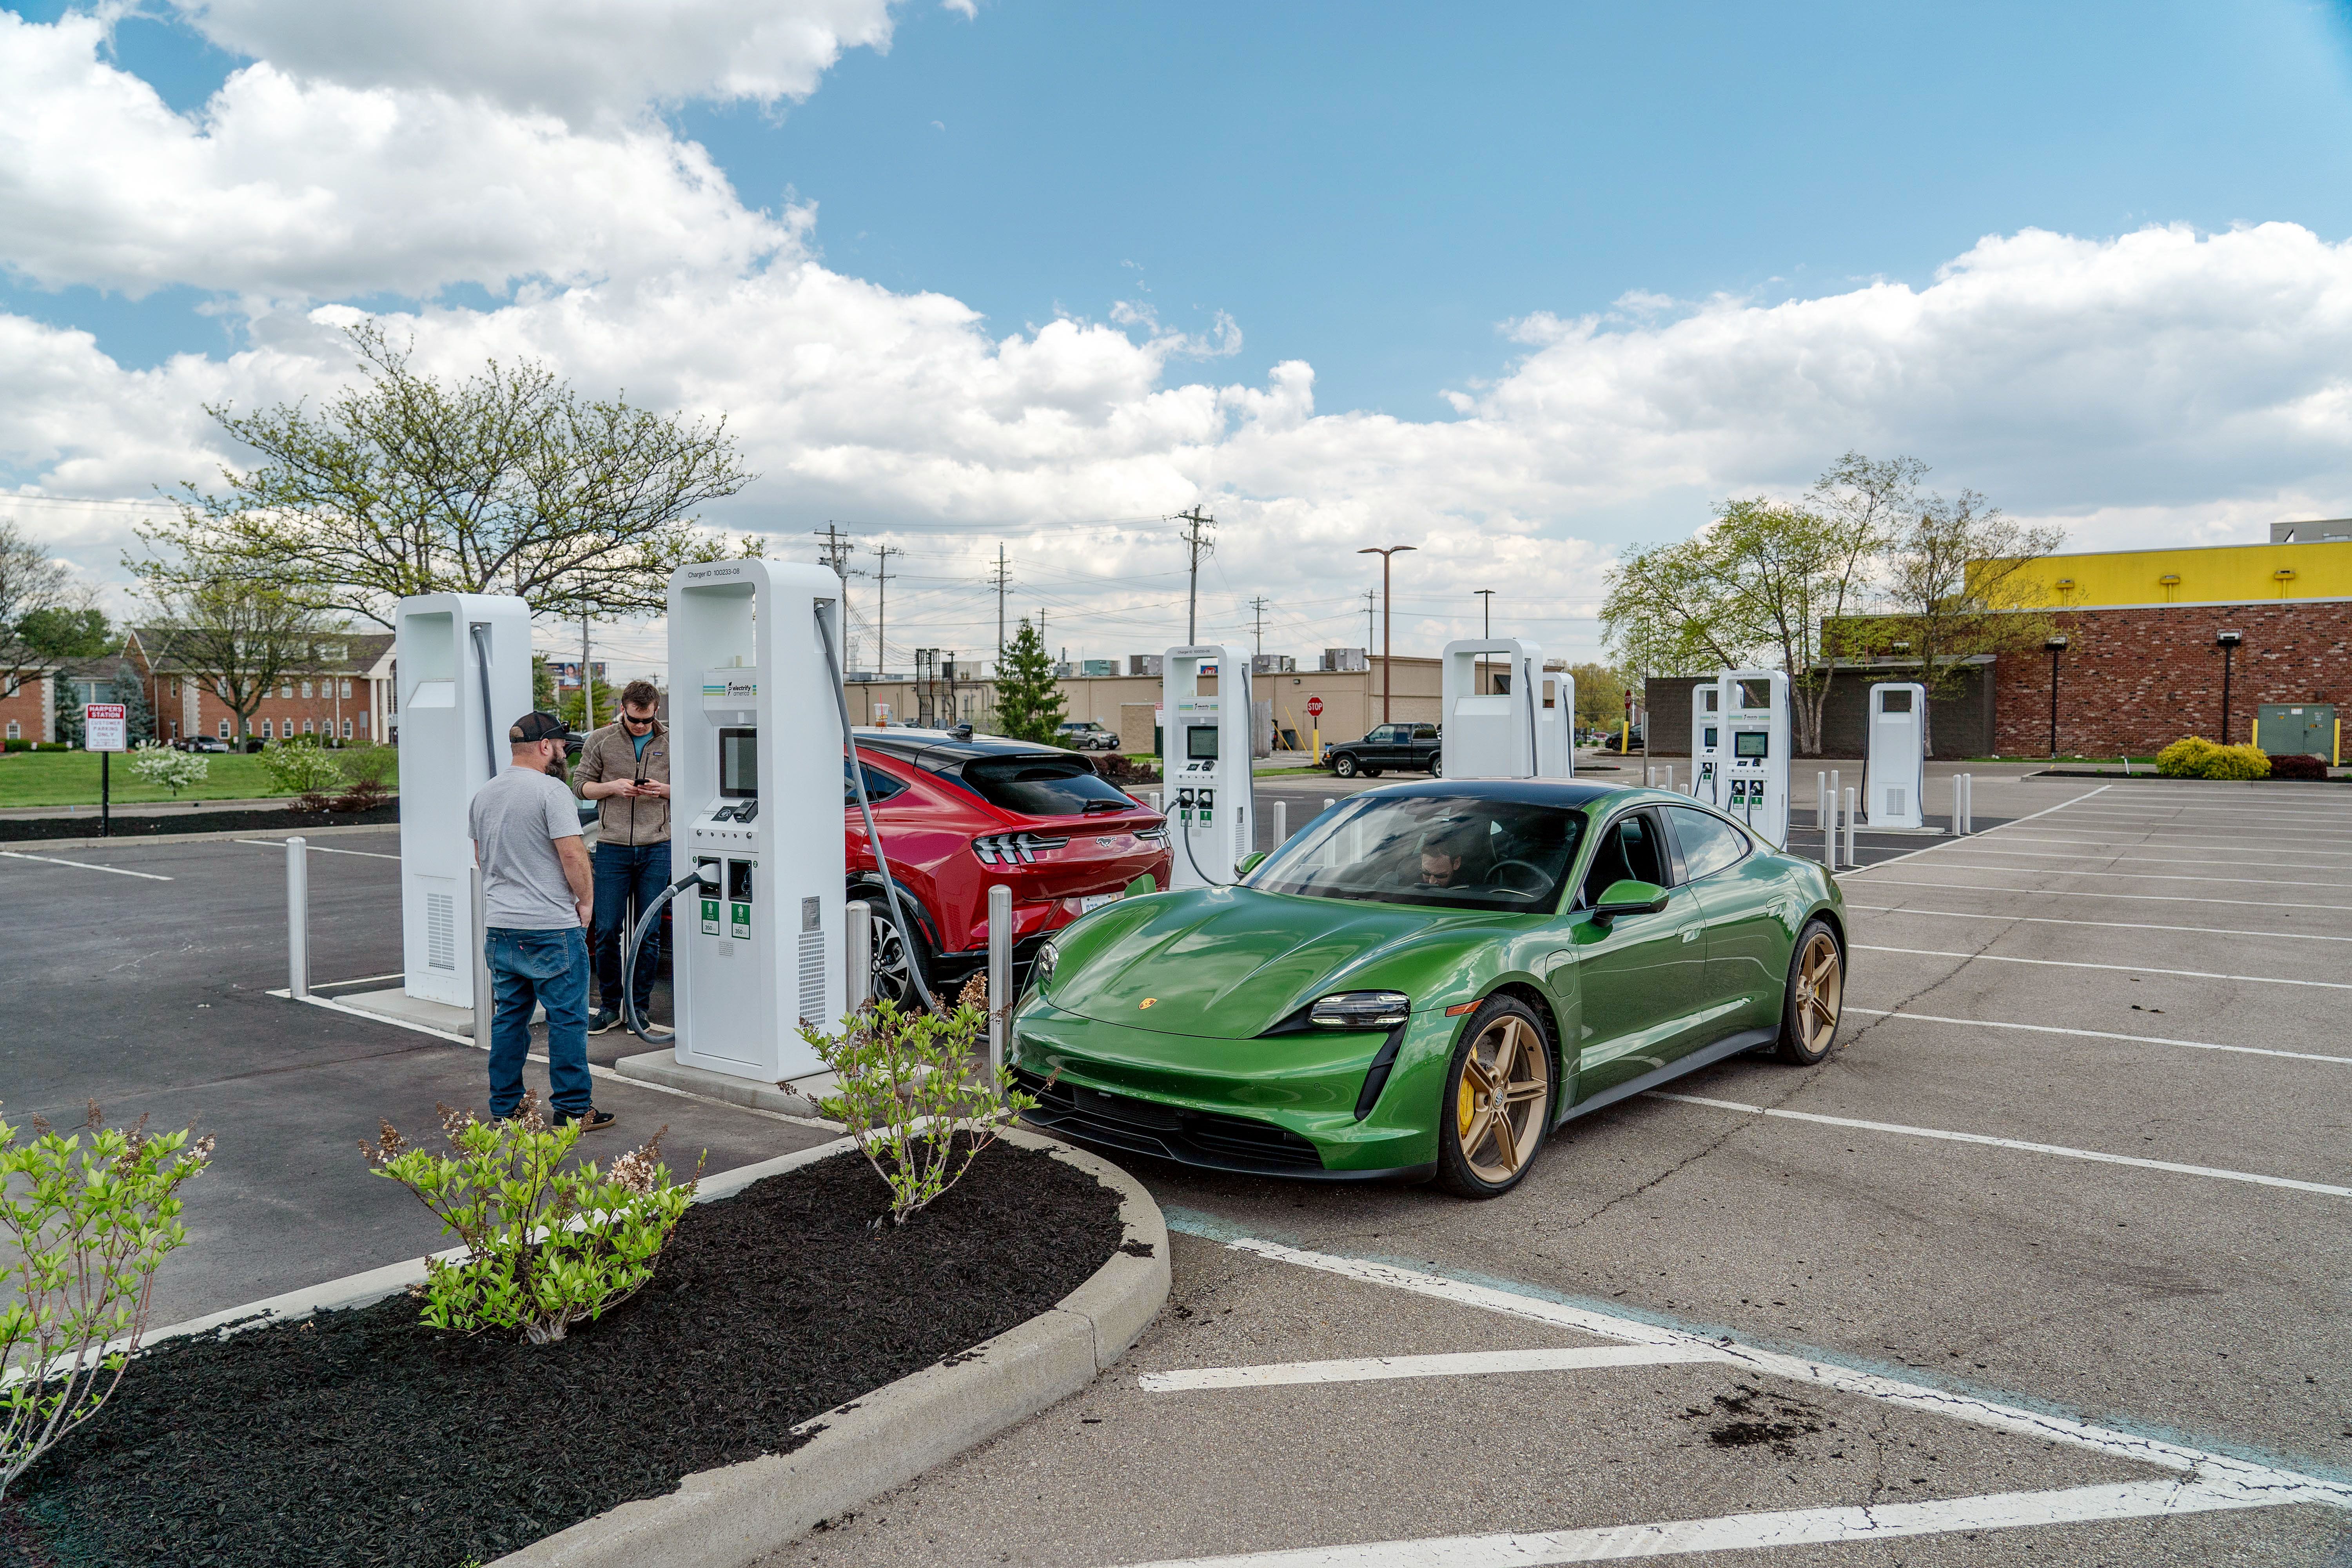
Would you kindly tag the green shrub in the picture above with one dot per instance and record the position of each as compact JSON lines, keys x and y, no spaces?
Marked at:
{"x":2185,"y":759}
{"x":168,"y":769}
{"x":909,"y":1093}
{"x":546,"y":1246}
{"x":2237,"y":762}
{"x":2298,"y":765}
{"x":16,"y":745}
{"x":297,"y":768}
{"x":87,"y":1223}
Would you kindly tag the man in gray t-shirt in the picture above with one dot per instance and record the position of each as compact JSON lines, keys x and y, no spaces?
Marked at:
{"x":538,"y":899}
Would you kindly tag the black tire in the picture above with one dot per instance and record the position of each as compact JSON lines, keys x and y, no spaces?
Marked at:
{"x":891,"y":956}
{"x":1813,"y":1001}
{"x":1344,"y":765}
{"x":1371,"y":772}
{"x":1464,"y":1126}
{"x":1437,"y":767}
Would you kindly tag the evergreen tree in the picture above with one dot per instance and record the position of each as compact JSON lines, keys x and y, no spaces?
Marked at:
{"x":69,"y":702}
{"x":1028,"y":700}
{"x":138,"y":717}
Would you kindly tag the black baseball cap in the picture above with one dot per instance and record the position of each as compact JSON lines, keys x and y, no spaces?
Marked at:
{"x":537,"y":725}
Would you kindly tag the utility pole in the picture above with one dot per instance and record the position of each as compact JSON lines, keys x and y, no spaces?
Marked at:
{"x":1200,"y":545}
{"x":882,"y":607}
{"x":1371,"y":613}
{"x":1002,"y":579}
{"x":1387,"y":621}
{"x":587,"y":678}
{"x":836,"y":550}
{"x":1258,"y":607}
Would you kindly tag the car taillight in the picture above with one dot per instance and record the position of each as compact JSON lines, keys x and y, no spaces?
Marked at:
{"x":1014,"y":848}
{"x":1158,"y":836}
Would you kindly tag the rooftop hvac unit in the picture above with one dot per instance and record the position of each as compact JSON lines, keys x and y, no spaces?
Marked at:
{"x":1098,"y":667}
{"x":1342,"y":659}
{"x":1144,"y":664}
{"x":1274,"y":664}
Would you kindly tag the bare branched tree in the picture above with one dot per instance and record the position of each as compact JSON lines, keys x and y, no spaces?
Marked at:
{"x":1959,"y":583}
{"x":238,"y":639}
{"x":32,"y":584}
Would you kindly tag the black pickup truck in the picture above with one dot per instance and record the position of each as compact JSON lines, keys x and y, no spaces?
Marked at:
{"x":1407,"y":747}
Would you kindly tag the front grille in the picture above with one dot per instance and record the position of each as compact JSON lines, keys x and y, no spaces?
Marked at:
{"x":1147,"y":1127}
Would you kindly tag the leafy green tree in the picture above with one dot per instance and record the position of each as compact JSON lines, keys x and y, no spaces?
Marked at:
{"x":240,"y":637}
{"x":505,"y":482}
{"x":32,"y":583}
{"x":1028,"y":700}
{"x":1599,"y":695}
{"x":64,"y":631}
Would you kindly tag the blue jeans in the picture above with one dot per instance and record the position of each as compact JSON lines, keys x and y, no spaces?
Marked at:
{"x":551,"y":968}
{"x":623,"y":871}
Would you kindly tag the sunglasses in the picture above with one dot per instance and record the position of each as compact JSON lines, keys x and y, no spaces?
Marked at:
{"x":631,"y":719}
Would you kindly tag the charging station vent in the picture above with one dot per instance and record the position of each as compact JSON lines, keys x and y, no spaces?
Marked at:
{"x":441,"y":932}
{"x":812,"y":978}
{"x":1895,"y":793}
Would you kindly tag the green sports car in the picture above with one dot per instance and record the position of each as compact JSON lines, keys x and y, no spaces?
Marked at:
{"x":1428,"y":978}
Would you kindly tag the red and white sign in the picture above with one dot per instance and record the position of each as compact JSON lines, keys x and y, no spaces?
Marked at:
{"x":1315,"y":708}
{"x":104,"y":727}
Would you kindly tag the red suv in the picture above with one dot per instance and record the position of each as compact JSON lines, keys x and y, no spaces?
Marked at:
{"x":959,"y":815}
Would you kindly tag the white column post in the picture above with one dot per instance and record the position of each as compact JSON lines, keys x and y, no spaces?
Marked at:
{"x":1822,"y":812}
{"x":484,"y":1000}
{"x":1850,"y":803}
{"x":1281,"y":824}
{"x":1000,"y":980}
{"x":859,"y":951}
{"x":297,"y":917}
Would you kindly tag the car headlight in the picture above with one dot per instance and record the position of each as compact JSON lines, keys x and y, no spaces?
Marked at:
{"x":1040,"y":968}
{"x":1361,"y":1010}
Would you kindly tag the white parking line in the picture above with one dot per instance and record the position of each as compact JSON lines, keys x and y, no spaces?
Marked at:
{"x":1732,"y":1532}
{"x":2122,"y":855}
{"x":2145,"y":843}
{"x":2109,"y":925}
{"x":2247,"y":819}
{"x":2058,"y":1149}
{"x":2136,"y":875}
{"x":1951,"y":843}
{"x":318,"y":848}
{"x":1378,"y":1369}
{"x":2082,"y":893}
{"x":86,"y":866}
{"x":2097,"y":1035}
{"x":2128,"y":968}
{"x":2204,"y":1466}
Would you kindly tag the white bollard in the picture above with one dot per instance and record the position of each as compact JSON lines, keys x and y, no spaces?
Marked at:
{"x":1000,"y":980}
{"x":1822,"y":812}
{"x":1851,"y":859}
{"x":485,"y":998}
{"x":1829,"y":848}
{"x":1154,"y":798}
{"x":297,"y":917}
{"x":859,"y":950}
{"x":1281,"y":824}
{"x":1670,"y":777}
{"x":1968,"y":801}
{"x":1649,"y":778}
{"x":1328,"y":802}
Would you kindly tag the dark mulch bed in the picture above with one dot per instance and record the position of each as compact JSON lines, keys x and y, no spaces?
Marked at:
{"x":361,"y":1438}
{"x":84,"y":825}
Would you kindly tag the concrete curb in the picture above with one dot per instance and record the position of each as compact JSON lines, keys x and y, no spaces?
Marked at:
{"x":736,"y":1516}
{"x":226,"y":835}
{"x":663,"y":1069}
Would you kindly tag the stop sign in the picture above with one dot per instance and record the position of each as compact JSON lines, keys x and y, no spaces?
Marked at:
{"x":1315,"y":708}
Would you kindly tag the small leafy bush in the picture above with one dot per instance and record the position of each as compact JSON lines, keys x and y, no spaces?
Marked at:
{"x":546,"y":1246}
{"x":306,"y":771}
{"x":168,"y":769}
{"x":1122,"y":770}
{"x":87,"y":1223}
{"x":2185,"y":758}
{"x":911,"y":1094}
{"x":2298,"y":765}
{"x":2238,"y":762}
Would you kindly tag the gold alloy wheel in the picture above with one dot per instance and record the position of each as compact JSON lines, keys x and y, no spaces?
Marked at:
{"x":1820,"y":992}
{"x":1505,"y":1083}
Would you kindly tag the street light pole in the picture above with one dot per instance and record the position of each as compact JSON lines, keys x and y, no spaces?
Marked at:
{"x":1388,"y":667}
{"x":2228,"y":643}
{"x":2056,"y":645}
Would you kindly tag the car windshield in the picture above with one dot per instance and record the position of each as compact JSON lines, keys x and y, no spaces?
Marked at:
{"x":1454,"y":852}
{"x":1043,"y":786}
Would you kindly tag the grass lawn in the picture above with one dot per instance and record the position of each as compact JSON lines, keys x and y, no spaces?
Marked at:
{"x":71,"y":778}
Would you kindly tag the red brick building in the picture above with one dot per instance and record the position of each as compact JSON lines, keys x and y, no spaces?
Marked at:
{"x":344,"y":696}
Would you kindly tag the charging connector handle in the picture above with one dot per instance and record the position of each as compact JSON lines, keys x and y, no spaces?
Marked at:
{"x":866,"y":810}
{"x":652,"y":912}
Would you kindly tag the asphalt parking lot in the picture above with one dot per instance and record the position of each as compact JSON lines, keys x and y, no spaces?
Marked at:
{"x":139,"y":974}
{"x":2045,"y":1263}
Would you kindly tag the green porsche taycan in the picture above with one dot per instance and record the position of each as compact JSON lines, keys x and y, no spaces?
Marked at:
{"x":1427,"y":979}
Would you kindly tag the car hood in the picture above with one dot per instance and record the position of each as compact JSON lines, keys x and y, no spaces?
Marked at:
{"x":1232,"y":963}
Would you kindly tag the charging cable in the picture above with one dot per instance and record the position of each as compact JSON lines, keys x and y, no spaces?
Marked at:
{"x":629,"y":1014}
{"x":873,"y":838}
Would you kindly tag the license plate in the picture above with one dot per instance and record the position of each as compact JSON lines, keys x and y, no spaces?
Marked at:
{"x":1094,"y":901}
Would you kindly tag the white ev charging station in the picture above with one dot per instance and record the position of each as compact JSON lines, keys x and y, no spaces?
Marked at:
{"x":1755,"y":752}
{"x":464,"y":678}
{"x":755,"y":793}
{"x":1707,"y":736}
{"x":1898,"y":762}
{"x":1521,"y":733}
{"x":1207,"y":764}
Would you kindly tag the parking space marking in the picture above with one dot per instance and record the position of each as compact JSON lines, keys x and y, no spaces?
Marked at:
{"x":2121,"y":854}
{"x":1376,"y":1369}
{"x":2081,"y":893}
{"x":87,"y":865}
{"x":2144,"y":843}
{"x":2127,"y":968}
{"x":1791,"y":1527}
{"x":318,"y":848}
{"x":2107,"y":925}
{"x":2205,"y":1466}
{"x":2060,"y":1149}
{"x":2097,"y":1035}
{"x":2003,"y":827}
{"x":2146,"y":876}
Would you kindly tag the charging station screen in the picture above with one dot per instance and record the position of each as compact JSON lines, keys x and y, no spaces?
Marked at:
{"x":1751,"y":743}
{"x":1200,"y":743}
{"x":738,"y":763}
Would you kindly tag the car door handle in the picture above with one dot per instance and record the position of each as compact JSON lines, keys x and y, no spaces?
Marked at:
{"x":1691,"y":933}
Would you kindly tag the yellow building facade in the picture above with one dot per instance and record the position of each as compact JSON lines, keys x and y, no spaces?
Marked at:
{"x":2209,"y":574}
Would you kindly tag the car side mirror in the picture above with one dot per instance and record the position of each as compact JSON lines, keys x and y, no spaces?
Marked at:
{"x":1249,"y":861}
{"x":1630,"y":898}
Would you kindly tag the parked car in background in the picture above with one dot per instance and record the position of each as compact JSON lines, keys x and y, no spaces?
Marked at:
{"x":201,"y":744}
{"x":1088,"y":735}
{"x":959,"y":813}
{"x":1397,"y":747}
